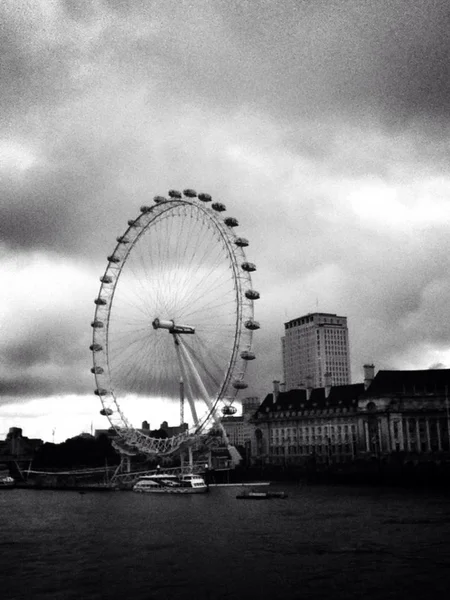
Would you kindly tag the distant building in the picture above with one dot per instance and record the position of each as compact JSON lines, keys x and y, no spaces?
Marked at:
{"x":173,"y":430}
{"x":404,"y":414}
{"x":240,"y":429}
{"x":17,"y":445}
{"x":145,"y":428}
{"x":110,"y":433}
{"x":234,"y":428}
{"x":405,"y":411}
{"x":314,"y":345}
{"x":295,"y":426}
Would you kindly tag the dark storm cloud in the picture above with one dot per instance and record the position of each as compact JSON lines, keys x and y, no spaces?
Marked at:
{"x":384,"y":62}
{"x":49,"y":360}
{"x":54,"y":206}
{"x":385,"y":59}
{"x":47,"y":309}
{"x":26,"y":386}
{"x":49,"y":342}
{"x":52,"y":358}
{"x":269,"y":106}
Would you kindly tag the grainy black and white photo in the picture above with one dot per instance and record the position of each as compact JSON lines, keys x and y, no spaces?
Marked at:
{"x":224,"y":276}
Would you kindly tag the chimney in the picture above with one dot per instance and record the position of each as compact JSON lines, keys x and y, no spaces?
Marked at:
{"x":276,"y":390}
{"x":369,"y":374}
{"x":282,"y":387}
{"x":145,"y":425}
{"x":309,"y":387}
{"x":327,"y":377}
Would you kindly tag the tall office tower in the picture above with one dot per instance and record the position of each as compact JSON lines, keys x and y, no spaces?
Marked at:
{"x":312,"y":346}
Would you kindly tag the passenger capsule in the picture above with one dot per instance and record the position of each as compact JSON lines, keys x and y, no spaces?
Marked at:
{"x":106,"y":279}
{"x":145,"y":209}
{"x":96,"y":347}
{"x":229,"y":410}
{"x":114,"y":259}
{"x":252,"y":295}
{"x":97,"y":370}
{"x":190,"y":193}
{"x":100,"y":302}
{"x":174,"y":194}
{"x":240,"y":385}
{"x":106,"y":412}
{"x":97,"y":324}
{"x":218,"y":206}
{"x":231,"y":222}
{"x":247,"y":355}
{"x":249,"y":267}
{"x":204,"y":197}
{"x":134,"y":223}
{"x":159,"y":199}
{"x":123,"y":239}
{"x":241,"y":242}
{"x":252,"y":325}
{"x":100,"y":392}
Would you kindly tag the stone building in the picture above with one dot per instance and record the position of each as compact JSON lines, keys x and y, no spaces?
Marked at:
{"x":405,"y":411}
{"x":395,"y":413}
{"x":293,"y":427}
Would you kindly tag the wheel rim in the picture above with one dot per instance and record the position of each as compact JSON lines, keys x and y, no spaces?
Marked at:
{"x":178,"y":262}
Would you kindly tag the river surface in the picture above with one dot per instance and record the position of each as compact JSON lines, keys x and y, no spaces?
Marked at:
{"x":321,"y":542}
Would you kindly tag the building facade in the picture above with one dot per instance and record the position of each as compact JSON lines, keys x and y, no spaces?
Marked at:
{"x":314,"y":345}
{"x":405,"y":412}
{"x":17,"y":445}
{"x":396,"y":414}
{"x":297,"y":426}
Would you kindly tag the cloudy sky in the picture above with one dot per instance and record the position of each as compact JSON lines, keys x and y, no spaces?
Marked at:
{"x":322,"y":125}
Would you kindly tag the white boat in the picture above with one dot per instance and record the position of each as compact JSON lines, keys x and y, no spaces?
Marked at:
{"x":6,"y":482}
{"x":163,"y":483}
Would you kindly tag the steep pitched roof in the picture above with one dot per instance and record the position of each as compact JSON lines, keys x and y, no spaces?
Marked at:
{"x":409,"y":383}
{"x":343,"y":396}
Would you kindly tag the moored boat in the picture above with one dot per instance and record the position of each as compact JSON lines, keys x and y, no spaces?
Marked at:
{"x":6,"y":482}
{"x":254,"y":495}
{"x":163,"y":483}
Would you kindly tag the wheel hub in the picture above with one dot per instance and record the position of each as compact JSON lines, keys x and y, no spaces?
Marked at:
{"x":171,"y":326}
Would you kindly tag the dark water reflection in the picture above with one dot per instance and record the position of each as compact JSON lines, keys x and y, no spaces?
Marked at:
{"x":321,"y":541}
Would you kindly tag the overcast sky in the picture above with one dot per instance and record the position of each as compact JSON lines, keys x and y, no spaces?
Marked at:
{"x":322,"y":125}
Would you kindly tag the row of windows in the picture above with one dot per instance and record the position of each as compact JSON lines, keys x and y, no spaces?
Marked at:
{"x":308,"y":449}
{"x":315,"y":439}
{"x":310,"y":319}
{"x":298,"y":322}
{"x":277,"y":431}
{"x":307,"y":413}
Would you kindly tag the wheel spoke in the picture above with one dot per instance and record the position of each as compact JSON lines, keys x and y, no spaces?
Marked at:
{"x":175,"y":275}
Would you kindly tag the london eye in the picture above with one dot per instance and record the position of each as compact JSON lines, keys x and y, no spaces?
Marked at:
{"x":174,"y":319}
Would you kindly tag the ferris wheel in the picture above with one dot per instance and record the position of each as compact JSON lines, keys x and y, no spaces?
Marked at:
{"x":174,"y":320}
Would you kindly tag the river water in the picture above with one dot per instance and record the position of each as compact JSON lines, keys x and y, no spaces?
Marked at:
{"x":320,"y":542}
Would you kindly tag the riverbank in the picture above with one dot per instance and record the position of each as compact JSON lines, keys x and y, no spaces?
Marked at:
{"x":100,"y":487}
